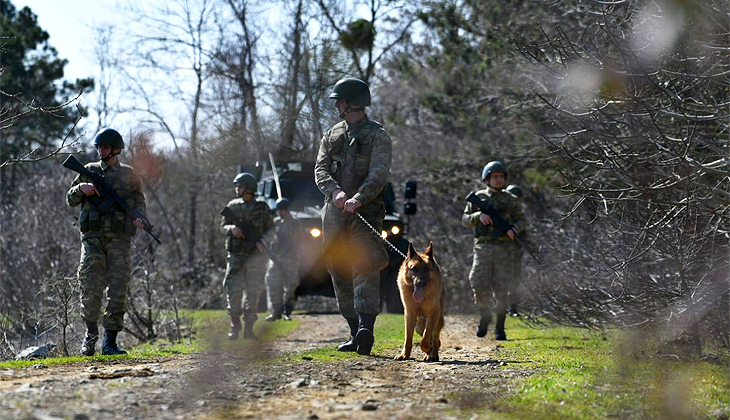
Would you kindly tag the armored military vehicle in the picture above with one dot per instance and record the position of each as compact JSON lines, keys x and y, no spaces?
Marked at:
{"x":297,"y":184}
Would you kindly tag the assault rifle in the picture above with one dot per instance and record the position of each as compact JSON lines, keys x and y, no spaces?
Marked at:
{"x":109,"y":196}
{"x":251,"y":236}
{"x":500,"y":224}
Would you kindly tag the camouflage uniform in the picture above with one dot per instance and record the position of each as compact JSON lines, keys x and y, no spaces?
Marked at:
{"x":106,"y":243}
{"x":491,"y":271}
{"x":356,"y":159}
{"x":246,"y":264}
{"x":280,"y":288}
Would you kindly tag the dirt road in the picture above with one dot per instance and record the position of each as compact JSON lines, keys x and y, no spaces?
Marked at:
{"x":248,"y":384}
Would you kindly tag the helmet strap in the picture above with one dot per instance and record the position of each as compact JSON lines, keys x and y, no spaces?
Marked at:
{"x":350,"y":109}
{"x":110,"y":155}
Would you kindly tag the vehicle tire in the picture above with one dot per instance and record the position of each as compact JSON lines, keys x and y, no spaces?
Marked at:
{"x":389,"y":293}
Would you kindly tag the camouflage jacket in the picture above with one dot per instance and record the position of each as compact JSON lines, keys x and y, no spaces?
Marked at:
{"x":257,"y":213}
{"x":355,"y":158}
{"x":287,"y":237}
{"x":114,"y":223}
{"x":505,"y":203}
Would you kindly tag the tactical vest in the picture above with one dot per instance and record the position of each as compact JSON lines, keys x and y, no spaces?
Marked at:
{"x":254,"y":216}
{"x":113,"y":222}
{"x":351,"y":154}
{"x":501,"y":204}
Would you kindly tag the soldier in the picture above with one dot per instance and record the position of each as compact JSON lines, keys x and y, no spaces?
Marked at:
{"x":516,"y":279}
{"x":246,"y":261}
{"x":352,"y":169}
{"x":106,"y":238}
{"x":491,"y":270}
{"x":282,"y":281}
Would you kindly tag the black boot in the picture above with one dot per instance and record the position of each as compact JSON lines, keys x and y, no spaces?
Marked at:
{"x":235,"y":327}
{"x":513,"y":310}
{"x":288,"y":308}
{"x":248,"y":331}
{"x":499,"y":333}
{"x":350,"y":345}
{"x":365,"y":337}
{"x":110,"y":344}
{"x":92,"y":334}
{"x":275,"y":315}
{"x":484,"y":320}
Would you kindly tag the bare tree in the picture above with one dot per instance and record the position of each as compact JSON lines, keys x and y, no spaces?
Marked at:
{"x":639,"y":122}
{"x":393,"y":19}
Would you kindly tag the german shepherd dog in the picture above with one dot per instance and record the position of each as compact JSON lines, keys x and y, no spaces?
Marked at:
{"x":422,"y":292}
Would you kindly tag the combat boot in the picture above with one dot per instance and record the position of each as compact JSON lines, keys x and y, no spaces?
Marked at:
{"x":365,"y":337}
{"x":235,"y":327}
{"x":248,"y":331}
{"x":275,"y":315}
{"x":499,"y":333}
{"x":484,"y":322}
{"x":350,"y":345}
{"x":92,"y":334}
{"x":288,"y":308}
{"x":110,"y":344}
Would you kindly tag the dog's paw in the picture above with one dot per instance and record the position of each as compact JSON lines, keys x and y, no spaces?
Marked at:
{"x":401,"y":356}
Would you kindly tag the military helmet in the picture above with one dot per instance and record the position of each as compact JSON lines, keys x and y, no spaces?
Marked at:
{"x":246,"y":180}
{"x":354,"y":91}
{"x":515,"y":190}
{"x":111,"y":137}
{"x":281,"y":204}
{"x":493,"y":166}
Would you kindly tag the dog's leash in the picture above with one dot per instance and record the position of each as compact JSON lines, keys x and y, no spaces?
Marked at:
{"x":379,"y":235}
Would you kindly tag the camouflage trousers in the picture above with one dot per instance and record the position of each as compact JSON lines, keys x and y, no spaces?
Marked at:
{"x":354,"y":258}
{"x":280,"y":286}
{"x":516,"y":280}
{"x":244,"y":282}
{"x":104,"y":265}
{"x":491,"y":274}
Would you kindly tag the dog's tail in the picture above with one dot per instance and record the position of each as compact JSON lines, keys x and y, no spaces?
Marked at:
{"x":421,"y":325}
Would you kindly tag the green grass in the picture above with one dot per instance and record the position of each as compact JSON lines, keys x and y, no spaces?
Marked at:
{"x":211,"y":328}
{"x":388,"y":339}
{"x":580,"y":374}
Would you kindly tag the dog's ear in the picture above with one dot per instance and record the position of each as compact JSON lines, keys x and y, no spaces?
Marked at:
{"x":411,"y":251}
{"x":429,"y":250}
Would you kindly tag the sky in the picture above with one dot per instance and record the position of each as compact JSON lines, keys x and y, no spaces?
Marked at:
{"x":68,"y":23}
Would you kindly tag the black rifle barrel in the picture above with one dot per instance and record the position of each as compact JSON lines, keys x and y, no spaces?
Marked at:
{"x":499,"y":222}
{"x":108,"y":192}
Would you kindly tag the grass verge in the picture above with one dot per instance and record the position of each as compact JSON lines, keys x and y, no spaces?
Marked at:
{"x":210,"y":331}
{"x":580,"y":374}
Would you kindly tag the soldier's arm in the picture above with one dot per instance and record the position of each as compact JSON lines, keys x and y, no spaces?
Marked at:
{"x":140,"y":203}
{"x":75,"y":196}
{"x":323,"y":169}
{"x":226,"y":226}
{"x":470,"y":218}
{"x":379,"y":168}
{"x":268,"y":219}
{"x":520,"y":223}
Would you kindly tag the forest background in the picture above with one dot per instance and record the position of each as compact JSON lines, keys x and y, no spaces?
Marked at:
{"x":612,"y":116}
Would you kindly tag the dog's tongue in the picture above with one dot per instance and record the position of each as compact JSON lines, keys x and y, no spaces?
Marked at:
{"x":418,"y":294}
